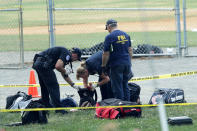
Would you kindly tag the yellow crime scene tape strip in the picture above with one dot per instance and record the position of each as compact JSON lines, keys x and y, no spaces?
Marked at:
{"x":10,"y":8}
{"x":133,"y":79}
{"x":164,"y":76}
{"x":82,"y":108}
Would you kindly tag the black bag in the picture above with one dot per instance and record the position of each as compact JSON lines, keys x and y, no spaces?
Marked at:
{"x":87,"y":97}
{"x":168,"y":95}
{"x":34,"y":116}
{"x":13,"y":101}
{"x":147,"y":49}
{"x":134,"y":92}
{"x":117,"y":112}
{"x":93,"y":49}
{"x":179,"y":120}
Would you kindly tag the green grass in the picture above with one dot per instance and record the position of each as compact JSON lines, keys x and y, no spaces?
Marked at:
{"x":35,"y":14}
{"x":40,"y":42}
{"x":100,"y":3}
{"x":86,"y":121}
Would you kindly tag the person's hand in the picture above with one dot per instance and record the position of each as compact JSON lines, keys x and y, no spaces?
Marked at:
{"x":76,"y":87}
{"x":94,"y":85}
{"x":68,"y":71}
{"x":104,"y":70}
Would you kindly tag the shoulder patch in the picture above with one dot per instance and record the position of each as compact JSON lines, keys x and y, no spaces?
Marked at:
{"x":67,"y":57}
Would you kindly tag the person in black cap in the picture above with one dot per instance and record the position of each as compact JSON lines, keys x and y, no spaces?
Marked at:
{"x":118,"y":53}
{"x":45,"y":62}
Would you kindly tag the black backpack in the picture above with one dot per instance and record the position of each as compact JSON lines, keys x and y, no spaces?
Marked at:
{"x":29,"y":117}
{"x":168,"y":95}
{"x":87,"y":97}
{"x":12,"y":101}
{"x":134,"y":92}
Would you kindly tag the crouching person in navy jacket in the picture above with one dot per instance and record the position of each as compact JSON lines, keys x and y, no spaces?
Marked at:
{"x":92,"y":66}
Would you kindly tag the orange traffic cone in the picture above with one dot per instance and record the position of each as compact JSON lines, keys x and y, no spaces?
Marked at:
{"x":33,"y":91}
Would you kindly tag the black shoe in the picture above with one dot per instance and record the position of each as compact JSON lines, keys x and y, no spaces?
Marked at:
{"x":61,"y":111}
{"x":46,"y":104}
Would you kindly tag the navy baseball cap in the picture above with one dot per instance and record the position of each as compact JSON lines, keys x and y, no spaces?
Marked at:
{"x":110,"y":22}
{"x":78,"y":52}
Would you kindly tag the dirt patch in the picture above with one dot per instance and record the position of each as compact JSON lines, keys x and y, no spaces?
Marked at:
{"x":154,"y":25}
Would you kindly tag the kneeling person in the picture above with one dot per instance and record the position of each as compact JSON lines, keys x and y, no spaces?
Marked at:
{"x":92,"y":66}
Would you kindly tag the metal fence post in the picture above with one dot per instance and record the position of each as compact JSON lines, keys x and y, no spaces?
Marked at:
{"x":162,"y":116}
{"x":184,"y":28}
{"x":51,"y":29}
{"x":21,"y":35}
{"x":178,"y":25}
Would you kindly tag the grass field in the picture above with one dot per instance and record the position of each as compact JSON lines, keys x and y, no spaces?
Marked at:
{"x":41,"y":42}
{"x":34,"y":11}
{"x":85,"y":121}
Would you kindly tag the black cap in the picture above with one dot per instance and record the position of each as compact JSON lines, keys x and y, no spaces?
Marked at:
{"x":110,"y":22}
{"x":78,"y":52}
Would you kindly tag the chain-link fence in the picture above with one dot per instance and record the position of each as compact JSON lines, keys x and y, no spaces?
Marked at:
{"x":11,"y":46}
{"x":189,"y":38}
{"x":85,"y":28}
{"x":153,"y":29}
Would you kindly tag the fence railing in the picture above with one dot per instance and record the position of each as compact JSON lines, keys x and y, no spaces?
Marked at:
{"x":11,"y":35}
{"x":80,"y":26}
{"x":84,"y":28}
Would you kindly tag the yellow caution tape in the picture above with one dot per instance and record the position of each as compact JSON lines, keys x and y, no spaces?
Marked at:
{"x":10,"y":9}
{"x":133,"y":79}
{"x":82,"y":108}
{"x":164,"y":76}
{"x":33,"y":85}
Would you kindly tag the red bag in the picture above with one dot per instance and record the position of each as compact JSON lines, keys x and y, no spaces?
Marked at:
{"x":116,"y":112}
